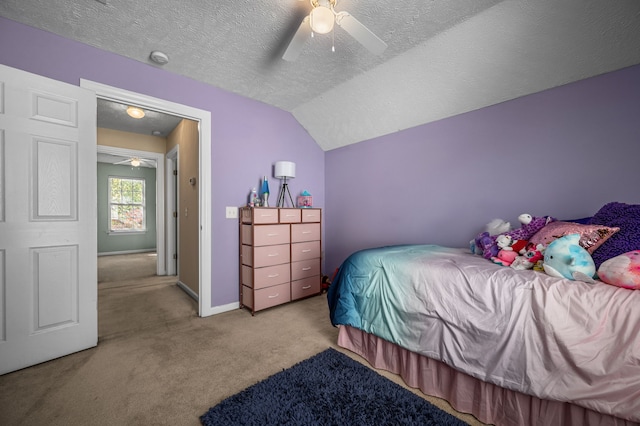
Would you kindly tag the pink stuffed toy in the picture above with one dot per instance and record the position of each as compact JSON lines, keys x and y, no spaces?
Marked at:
{"x":505,"y":257}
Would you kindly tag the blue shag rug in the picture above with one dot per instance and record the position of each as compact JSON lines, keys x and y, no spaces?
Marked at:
{"x":327,"y":389}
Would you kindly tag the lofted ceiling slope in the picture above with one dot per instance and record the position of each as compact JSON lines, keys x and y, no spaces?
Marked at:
{"x":444,"y":57}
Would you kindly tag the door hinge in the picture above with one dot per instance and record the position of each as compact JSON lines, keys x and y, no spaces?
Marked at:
{"x":175,"y":256}
{"x":175,"y":172}
{"x":175,"y":215}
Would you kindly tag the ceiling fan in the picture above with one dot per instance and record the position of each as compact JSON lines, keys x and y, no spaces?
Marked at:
{"x":321,"y":20}
{"x":137,"y":162}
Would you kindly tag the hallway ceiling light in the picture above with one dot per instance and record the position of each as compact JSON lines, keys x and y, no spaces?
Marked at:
{"x":135,"y":112}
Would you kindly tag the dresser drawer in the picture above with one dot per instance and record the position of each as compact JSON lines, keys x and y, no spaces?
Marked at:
{"x":289,"y":215}
{"x":272,"y":296}
{"x":305,"y":232}
{"x":265,"y":277}
{"x":259,"y":215}
{"x":305,"y":251}
{"x":311,"y":215}
{"x":259,"y":257}
{"x":265,"y":235}
{"x":305,"y":269}
{"x":305,"y":287}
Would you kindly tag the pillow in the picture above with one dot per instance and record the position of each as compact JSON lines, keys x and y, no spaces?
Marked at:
{"x":622,"y":271}
{"x":591,"y":236}
{"x":627,"y":218}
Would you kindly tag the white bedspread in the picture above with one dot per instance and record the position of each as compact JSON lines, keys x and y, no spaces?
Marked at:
{"x":523,"y":330}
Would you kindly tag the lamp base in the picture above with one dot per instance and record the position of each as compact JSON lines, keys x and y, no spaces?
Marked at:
{"x":281,"y":194}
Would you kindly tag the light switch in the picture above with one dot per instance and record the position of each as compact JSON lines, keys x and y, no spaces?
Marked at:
{"x":232,"y":212}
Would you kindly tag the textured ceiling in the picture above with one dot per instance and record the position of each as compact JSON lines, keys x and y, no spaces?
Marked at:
{"x":443,"y":58}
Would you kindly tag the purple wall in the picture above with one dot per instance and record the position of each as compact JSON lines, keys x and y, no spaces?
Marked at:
{"x":564,"y":152}
{"x":247,"y":136}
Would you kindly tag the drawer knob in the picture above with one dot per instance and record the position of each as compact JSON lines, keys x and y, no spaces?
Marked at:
{"x":273,"y":235}
{"x":273,"y":254}
{"x":306,"y":287}
{"x":273,"y":275}
{"x":306,"y":250}
{"x":306,"y":232}
{"x":274,"y":296}
{"x":308,"y":268}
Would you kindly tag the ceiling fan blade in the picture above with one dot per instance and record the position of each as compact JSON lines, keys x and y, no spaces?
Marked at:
{"x":361,"y":33}
{"x":297,"y":42}
{"x":127,"y":161}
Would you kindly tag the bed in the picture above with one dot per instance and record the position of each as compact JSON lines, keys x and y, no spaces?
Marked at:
{"x":511,"y":347}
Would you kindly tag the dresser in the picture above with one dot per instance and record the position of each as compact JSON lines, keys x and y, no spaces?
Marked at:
{"x":280,"y":254}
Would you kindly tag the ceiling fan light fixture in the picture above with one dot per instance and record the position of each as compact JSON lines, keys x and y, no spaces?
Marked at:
{"x":321,"y":20}
{"x":135,"y":162}
{"x":135,"y":112}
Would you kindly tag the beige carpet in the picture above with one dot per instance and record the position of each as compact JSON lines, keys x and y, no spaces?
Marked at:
{"x":158,"y":363}
{"x":126,"y":266}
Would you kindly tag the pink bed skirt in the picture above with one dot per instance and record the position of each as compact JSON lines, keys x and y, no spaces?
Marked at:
{"x":487,"y":402}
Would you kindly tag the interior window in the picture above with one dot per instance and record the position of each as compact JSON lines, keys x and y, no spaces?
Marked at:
{"x":126,"y":204}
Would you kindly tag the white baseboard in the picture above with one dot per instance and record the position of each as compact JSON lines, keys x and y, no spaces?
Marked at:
{"x":214,"y":310}
{"x":113,"y":253}
{"x":211,"y":310}
{"x":187,"y":290}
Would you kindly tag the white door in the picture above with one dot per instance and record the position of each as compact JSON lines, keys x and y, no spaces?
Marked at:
{"x":48,"y":247}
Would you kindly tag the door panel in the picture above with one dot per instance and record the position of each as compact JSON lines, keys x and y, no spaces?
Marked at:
{"x":48,"y":247}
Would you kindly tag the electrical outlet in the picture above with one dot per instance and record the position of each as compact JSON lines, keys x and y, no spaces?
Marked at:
{"x":232,"y":212}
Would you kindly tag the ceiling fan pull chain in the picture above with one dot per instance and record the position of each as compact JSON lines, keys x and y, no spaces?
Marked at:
{"x":333,"y":39}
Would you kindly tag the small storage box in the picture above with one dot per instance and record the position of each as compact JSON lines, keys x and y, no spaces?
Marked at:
{"x":305,"y":201}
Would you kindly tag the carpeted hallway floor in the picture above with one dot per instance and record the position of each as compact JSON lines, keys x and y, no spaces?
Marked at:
{"x":158,"y":363}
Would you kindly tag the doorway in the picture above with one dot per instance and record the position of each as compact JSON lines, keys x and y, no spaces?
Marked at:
{"x":203,"y":118}
{"x":109,"y":154}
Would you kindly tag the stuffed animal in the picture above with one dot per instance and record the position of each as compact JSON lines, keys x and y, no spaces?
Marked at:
{"x":498,"y":226}
{"x":484,"y":244}
{"x":519,"y":246}
{"x":505,"y":257}
{"x":530,"y":258}
{"x":530,"y":225}
{"x":484,"y":240}
{"x":503,"y":242}
{"x":505,"y":254}
{"x":565,"y":258}
{"x":622,"y":270}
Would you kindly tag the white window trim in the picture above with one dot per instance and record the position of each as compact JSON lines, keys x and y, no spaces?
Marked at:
{"x":144,"y":207}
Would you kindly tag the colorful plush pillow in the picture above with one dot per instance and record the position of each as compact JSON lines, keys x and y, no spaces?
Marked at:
{"x":622,"y":271}
{"x":591,"y":236}
{"x":627,"y":218}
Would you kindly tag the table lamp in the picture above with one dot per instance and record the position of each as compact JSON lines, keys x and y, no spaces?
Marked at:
{"x":284,"y":170}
